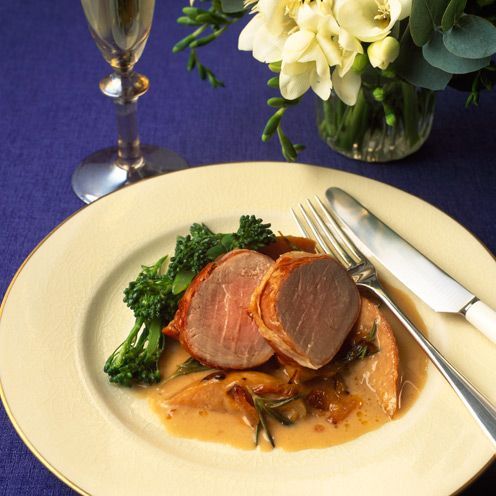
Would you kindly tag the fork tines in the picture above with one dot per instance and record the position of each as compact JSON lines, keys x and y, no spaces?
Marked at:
{"x":317,"y":222}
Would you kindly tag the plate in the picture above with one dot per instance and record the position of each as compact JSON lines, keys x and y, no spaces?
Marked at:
{"x":63,"y":315}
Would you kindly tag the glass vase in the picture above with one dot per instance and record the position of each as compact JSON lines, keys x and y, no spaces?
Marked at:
{"x":390,"y":120}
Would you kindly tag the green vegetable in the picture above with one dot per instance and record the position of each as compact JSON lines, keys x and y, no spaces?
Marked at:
{"x":154,"y":295}
{"x":151,"y":299}
{"x":201,"y":245}
{"x":362,"y":349}
{"x":190,"y":366}
{"x":268,"y":407}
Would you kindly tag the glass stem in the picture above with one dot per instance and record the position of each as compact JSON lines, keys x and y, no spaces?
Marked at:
{"x":128,"y":143}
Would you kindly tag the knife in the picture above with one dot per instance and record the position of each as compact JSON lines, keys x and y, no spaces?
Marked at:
{"x":425,"y":279}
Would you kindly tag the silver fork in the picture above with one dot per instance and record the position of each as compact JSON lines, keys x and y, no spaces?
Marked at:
{"x":319,"y":224}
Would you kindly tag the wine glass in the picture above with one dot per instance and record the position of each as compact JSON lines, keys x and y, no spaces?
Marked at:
{"x":121,"y":29}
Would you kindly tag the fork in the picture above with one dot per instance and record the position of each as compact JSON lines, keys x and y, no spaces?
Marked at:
{"x":320,"y":225}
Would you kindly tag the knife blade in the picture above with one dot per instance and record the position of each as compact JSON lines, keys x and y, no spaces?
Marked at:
{"x":419,"y":274}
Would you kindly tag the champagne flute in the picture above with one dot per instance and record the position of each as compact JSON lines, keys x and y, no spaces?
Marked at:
{"x":120,"y":29}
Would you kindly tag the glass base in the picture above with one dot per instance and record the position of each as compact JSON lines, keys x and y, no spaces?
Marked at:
{"x":378,"y":131}
{"x":98,"y":174}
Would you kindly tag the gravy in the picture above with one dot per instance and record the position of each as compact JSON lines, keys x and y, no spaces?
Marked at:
{"x":307,"y":433}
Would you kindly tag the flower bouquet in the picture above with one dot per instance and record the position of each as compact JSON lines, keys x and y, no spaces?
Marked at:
{"x":374,"y":64}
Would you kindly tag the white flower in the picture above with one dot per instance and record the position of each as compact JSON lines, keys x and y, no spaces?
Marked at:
{"x":406,"y":8}
{"x":306,"y":37}
{"x":309,"y":52}
{"x":267,"y":32}
{"x":370,"y":20}
{"x":382,"y":53}
{"x":347,"y":87}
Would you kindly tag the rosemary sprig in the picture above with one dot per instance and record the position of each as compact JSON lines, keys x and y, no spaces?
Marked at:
{"x":190,"y":366}
{"x":267,"y":407}
{"x":373,"y":332}
{"x":363,"y":348}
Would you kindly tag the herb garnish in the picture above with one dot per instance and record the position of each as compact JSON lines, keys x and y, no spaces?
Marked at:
{"x":266,"y":406}
{"x":362,"y":348}
{"x":190,"y":366}
{"x":373,"y":332}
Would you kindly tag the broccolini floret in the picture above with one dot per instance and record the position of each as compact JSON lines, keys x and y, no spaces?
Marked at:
{"x":201,"y":245}
{"x":151,"y":299}
{"x":153,"y":296}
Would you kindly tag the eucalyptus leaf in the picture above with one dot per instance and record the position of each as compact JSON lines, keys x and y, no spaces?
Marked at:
{"x":231,"y":6}
{"x":425,"y":16}
{"x":412,"y":67}
{"x":436,"y":53}
{"x":452,"y":13}
{"x":472,"y":37}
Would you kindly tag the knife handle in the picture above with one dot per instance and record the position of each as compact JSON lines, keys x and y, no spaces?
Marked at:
{"x":484,"y":318}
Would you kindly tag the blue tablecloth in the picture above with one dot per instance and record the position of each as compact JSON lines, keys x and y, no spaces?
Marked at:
{"x":53,"y":115}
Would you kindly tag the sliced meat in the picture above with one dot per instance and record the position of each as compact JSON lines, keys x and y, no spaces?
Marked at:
{"x":381,"y":370}
{"x":212,"y":321}
{"x":305,"y":306}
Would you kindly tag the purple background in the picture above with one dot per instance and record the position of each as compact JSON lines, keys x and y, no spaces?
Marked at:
{"x":53,"y":115}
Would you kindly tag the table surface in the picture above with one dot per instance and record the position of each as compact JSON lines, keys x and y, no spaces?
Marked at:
{"x":53,"y":115}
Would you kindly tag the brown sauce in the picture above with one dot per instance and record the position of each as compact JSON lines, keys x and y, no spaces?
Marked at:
{"x":316,"y":430}
{"x":313,"y":431}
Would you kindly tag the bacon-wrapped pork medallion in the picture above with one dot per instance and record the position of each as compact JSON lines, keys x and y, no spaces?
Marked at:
{"x":213,"y":323}
{"x":305,"y":306}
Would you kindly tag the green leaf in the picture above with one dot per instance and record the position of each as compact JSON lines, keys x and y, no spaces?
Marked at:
{"x":187,"y":21}
{"x":373,"y":332}
{"x":215,"y":251}
{"x":436,"y":53}
{"x":202,"y":72}
{"x":472,"y":37}
{"x":272,"y":124}
{"x":273,"y":82}
{"x":182,"y":281}
{"x":424,"y":18}
{"x":278,"y":102}
{"x":191,"y":60}
{"x":287,"y":148}
{"x":230,"y":6}
{"x":199,"y":42}
{"x":183,"y":44}
{"x":412,"y":67}
{"x":191,"y":11}
{"x":452,"y":13}
{"x":190,"y":366}
{"x":227,"y":241}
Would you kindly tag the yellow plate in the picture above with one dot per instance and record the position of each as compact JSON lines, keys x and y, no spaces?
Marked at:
{"x":63,"y":315}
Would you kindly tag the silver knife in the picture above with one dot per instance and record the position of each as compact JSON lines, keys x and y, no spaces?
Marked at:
{"x":430,"y":283}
